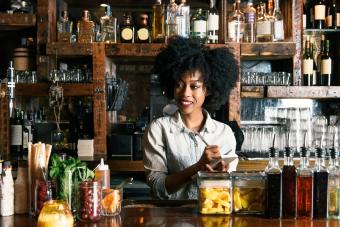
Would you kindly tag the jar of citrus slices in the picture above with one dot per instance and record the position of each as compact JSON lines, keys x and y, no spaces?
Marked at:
{"x":55,"y":213}
{"x":215,"y":193}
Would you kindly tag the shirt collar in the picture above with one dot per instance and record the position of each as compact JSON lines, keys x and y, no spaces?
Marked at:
{"x":177,"y":125}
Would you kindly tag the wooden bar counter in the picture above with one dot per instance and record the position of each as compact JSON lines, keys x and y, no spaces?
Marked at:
{"x":177,"y":216}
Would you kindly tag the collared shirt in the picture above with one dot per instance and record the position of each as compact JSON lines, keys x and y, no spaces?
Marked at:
{"x":170,"y":147}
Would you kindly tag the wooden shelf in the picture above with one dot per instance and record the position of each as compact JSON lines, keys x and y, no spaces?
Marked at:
{"x":252,"y":92}
{"x":133,"y":49}
{"x":313,"y":30}
{"x":314,"y":92}
{"x":69,"y":49}
{"x":41,"y":89}
{"x":125,"y":166}
{"x":271,"y":50}
{"x":16,"y":21}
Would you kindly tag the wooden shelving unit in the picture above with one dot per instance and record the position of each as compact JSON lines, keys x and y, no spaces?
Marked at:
{"x":9,"y":22}
{"x":69,"y":49}
{"x":315,"y":92}
{"x":273,"y":51}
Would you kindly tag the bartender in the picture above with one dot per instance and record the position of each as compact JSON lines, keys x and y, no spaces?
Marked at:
{"x":177,"y":146}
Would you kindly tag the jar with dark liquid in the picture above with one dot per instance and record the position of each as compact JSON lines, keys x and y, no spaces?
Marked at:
{"x":320,"y":187}
{"x":288,"y":186}
{"x":304,"y":187}
{"x":273,"y":186}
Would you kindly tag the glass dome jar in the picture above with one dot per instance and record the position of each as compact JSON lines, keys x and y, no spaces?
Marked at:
{"x":215,"y":193}
{"x":55,"y":213}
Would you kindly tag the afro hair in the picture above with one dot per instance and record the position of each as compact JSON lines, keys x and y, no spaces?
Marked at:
{"x":218,"y":67}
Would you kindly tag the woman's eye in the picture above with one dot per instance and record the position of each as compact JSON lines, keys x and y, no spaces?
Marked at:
{"x":195,"y":86}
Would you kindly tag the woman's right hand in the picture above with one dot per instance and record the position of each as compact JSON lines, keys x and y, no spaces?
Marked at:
{"x":210,"y":153}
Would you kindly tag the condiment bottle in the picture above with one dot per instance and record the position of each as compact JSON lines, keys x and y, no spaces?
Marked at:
{"x":333,"y":186}
{"x":320,"y":187}
{"x":274,"y":184}
{"x":102,"y":174}
{"x":288,"y":184}
{"x":20,"y":190}
{"x":7,"y":191}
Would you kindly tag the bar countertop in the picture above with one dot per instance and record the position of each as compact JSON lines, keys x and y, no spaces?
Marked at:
{"x":177,"y":216}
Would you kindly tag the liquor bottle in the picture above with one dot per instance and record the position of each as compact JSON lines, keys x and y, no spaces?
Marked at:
{"x":236,"y":24}
{"x":320,"y":186}
{"x":199,"y":26}
{"x":288,"y":185}
{"x":183,"y":19}
{"x":273,"y":187}
{"x":213,"y":20}
{"x":331,"y":19}
{"x":307,"y":66}
{"x":322,"y":50}
{"x":249,"y":23}
{"x":158,"y":31}
{"x":127,"y":29}
{"x":270,"y":7}
{"x":143,"y":32}
{"x":304,"y":16}
{"x":64,"y":28}
{"x":85,"y":29}
{"x":278,"y":28}
{"x":326,"y":67}
{"x":171,"y":24}
{"x":315,"y":68}
{"x":26,"y":132}
{"x":108,"y":27}
{"x":333,"y":185}
{"x":263,"y":25}
{"x":319,"y":14}
{"x":16,"y":133}
{"x":304,"y":187}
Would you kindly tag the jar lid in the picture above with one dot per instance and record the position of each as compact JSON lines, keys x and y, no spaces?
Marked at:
{"x":90,"y":183}
{"x":213,"y":175}
{"x":248,"y":174}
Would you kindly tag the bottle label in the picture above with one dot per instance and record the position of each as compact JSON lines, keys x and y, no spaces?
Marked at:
{"x":127,"y":34}
{"x":200,"y":26}
{"x":235,"y":31}
{"x":278,"y":30}
{"x":25,"y":137}
{"x":143,"y":34}
{"x":16,"y":135}
{"x":212,"y":22}
{"x":308,"y":66}
{"x":338,"y":19}
{"x":249,"y":18}
{"x":329,"y":20}
{"x":326,"y":66}
{"x":304,"y":19}
{"x":319,"y":12}
{"x":263,"y":28}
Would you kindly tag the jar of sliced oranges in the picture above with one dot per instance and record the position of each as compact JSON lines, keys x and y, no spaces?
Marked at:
{"x":112,"y":201}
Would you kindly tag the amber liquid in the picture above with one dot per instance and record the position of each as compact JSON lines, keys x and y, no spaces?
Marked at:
{"x":304,"y":196}
{"x":273,"y":195}
{"x":320,"y":195}
{"x":289,"y":191}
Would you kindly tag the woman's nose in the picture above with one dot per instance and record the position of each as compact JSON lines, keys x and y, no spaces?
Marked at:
{"x":186,"y":91}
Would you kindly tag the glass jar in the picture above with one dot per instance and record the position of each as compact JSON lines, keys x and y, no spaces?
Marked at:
{"x":112,"y":201}
{"x":55,"y":213}
{"x":90,"y":195}
{"x":248,"y":192}
{"x":215,"y":193}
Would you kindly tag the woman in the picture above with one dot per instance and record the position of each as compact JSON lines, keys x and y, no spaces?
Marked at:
{"x":199,"y":80}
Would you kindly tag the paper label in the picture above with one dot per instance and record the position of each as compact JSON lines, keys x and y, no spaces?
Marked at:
{"x":319,"y":12}
{"x":212,"y":22}
{"x":200,"y":26}
{"x":16,"y":135}
{"x":308,"y":66}
{"x":326,"y":66}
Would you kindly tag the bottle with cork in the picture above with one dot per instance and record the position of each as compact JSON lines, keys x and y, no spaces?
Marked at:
{"x":102,"y":173}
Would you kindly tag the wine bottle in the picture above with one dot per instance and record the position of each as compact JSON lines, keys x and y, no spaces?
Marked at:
{"x":326,"y":67}
{"x":307,"y":65}
{"x":331,"y":20}
{"x":319,"y":14}
{"x":16,"y":133}
{"x":212,"y":23}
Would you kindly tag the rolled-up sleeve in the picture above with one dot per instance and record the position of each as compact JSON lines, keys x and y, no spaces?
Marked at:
{"x":155,"y":161}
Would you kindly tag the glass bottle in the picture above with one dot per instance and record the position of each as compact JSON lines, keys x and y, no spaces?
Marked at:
{"x":326,"y":67}
{"x":171,"y":24}
{"x":7,"y":191}
{"x":249,"y":23}
{"x":199,"y":26}
{"x":85,"y":29}
{"x":333,"y":186}
{"x":16,"y":134}
{"x":318,"y":61}
{"x":236,"y":24}
{"x":304,"y":196}
{"x":274,"y":183}
{"x":319,"y":14}
{"x":183,"y":19}
{"x":143,"y":32}
{"x":307,"y":65}
{"x":158,"y":33}
{"x":263,"y":25}
{"x":127,"y":29}
{"x":278,"y":28}
{"x":108,"y":27}
{"x":64,"y":28}
{"x":331,"y":18}
{"x":55,"y":213}
{"x":320,"y":186}
{"x":213,"y":20}
{"x":288,"y":185}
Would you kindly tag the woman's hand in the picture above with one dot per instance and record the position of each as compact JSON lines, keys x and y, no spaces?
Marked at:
{"x":211,"y":153}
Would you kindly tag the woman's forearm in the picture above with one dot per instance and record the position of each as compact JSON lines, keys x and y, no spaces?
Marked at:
{"x":175,"y":181}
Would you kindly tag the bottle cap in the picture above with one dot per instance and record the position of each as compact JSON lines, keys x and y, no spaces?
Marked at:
{"x":103,"y":166}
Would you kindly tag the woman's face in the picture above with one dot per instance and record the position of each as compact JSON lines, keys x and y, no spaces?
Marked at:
{"x":190,"y":93}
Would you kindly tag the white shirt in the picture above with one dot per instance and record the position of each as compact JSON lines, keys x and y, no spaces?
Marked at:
{"x":170,"y":147}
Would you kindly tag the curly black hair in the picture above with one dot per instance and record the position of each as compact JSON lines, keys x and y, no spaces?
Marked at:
{"x":218,"y":67}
